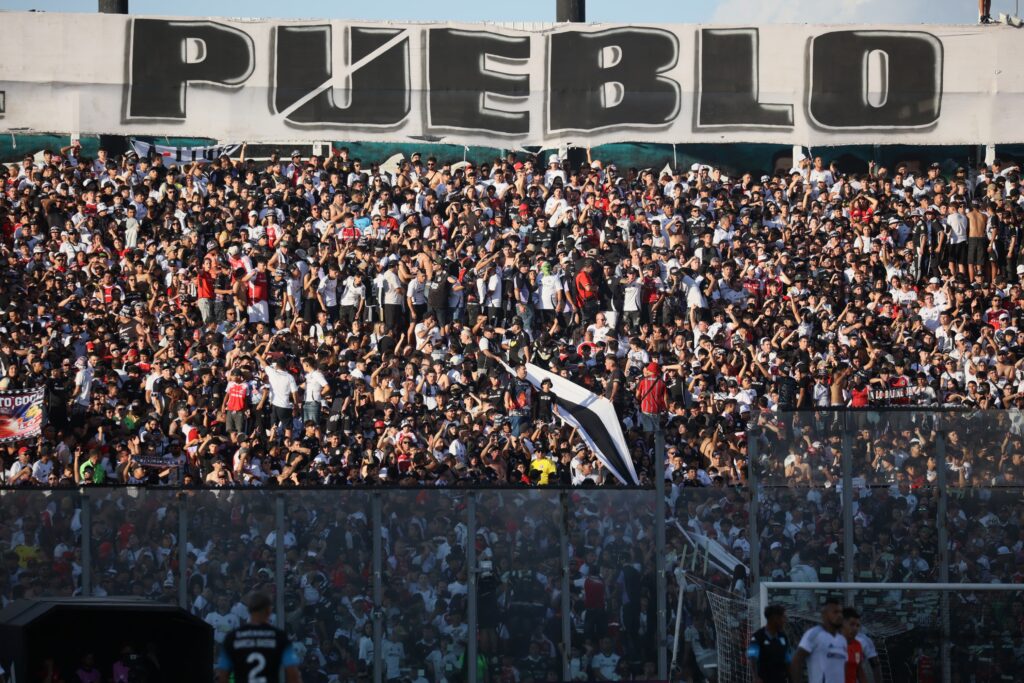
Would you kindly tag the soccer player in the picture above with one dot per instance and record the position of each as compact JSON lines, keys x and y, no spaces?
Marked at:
{"x":856,"y":672}
{"x":823,"y":648}
{"x":769,"y":652}
{"x":258,"y":652}
{"x":871,"y":656}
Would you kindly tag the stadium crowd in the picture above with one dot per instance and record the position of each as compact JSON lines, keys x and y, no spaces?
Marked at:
{"x":325,"y":322}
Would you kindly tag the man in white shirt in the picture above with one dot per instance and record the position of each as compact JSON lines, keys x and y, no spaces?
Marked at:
{"x":327,"y":291}
{"x":284,"y":391}
{"x":42,"y":468}
{"x":874,"y":667}
{"x":313,"y":391}
{"x":393,"y":296}
{"x":83,"y":384}
{"x":930,"y":312}
{"x":823,"y":648}
{"x":956,"y":234}
{"x":604,"y":662}
{"x":554,"y":171}
{"x":353,"y":298}
{"x":21,"y":470}
{"x":600,"y":329}
{"x":820,"y":173}
{"x":223,"y":620}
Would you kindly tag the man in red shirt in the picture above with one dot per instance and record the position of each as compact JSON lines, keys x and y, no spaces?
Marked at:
{"x":205,"y":283}
{"x":586,"y":292}
{"x":855,"y":671}
{"x":259,"y":293}
{"x":651,"y":395}
{"x":349,"y":232}
{"x":236,"y":403}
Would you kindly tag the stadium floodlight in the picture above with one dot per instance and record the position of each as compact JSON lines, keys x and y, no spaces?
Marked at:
{"x":909,"y":623}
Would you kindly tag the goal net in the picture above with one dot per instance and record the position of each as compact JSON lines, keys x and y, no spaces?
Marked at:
{"x":923,"y":633}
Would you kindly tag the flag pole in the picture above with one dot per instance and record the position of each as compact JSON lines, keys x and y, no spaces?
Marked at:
{"x":659,"y":554}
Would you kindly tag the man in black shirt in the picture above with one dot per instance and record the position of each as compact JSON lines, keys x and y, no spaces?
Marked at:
{"x":805,"y":388}
{"x":769,"y":652}
{"x":258,"y":652}
{"x":544,"y":403}
{"x":517,"y":342}
{"x":437,"y":297}
{"x":615,"y":385}
{"x":787,"y":388}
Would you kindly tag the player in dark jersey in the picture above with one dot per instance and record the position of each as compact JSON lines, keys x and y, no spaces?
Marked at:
{"x":258,"y":652}
{"x":769,"y":653}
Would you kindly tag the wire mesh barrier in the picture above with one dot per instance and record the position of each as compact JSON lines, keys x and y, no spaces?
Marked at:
{"x":432,"y":584}
{"x":897,"y":497}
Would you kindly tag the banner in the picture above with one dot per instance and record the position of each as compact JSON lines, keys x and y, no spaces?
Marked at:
{"x":154,"y":462}
{"x":21,"y":414}
{"x":292,"y":81}
{"x":186,"y":155}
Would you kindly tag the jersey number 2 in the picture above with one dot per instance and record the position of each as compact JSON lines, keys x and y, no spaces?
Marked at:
{"x":258,"y":663}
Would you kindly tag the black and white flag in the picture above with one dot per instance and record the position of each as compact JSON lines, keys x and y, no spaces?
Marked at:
{"x":593,"y":417}
{"x":186,"y":155}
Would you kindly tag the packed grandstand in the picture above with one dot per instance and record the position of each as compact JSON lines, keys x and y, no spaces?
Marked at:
{"x":298,"y":322}
{"x":317,"y":321}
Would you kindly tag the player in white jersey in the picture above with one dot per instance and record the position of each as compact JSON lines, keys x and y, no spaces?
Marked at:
{"x":874,"y":667}
{"x":823,"y":648}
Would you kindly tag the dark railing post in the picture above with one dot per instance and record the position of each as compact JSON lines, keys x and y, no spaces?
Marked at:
{"x":661,"y":585}
{"x":182,"y":499}
{"x":566,"y":587}
{"x":113,"y":7}
{"x":378,"y":587}
{"x":86,"y":542}
{"x":114,"y":144}
{"x":847,"y":471}
{"x":279,"y":562}
{"x":942,"y":512}
{"x":472,"y":574}
{"x":752,"y":511}
{"x":571,"y":10}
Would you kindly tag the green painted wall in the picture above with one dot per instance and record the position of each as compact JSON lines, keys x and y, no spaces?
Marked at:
{"x":732,"y":158}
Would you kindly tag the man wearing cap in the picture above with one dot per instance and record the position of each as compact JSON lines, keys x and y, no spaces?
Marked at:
{"x":651,"y":396}
{"x":21,"y":470}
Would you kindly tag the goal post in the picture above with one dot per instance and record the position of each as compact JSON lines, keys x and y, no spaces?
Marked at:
{"x":833,"y":587}
{"x":939,"y":632}
{"x":922,"y":631}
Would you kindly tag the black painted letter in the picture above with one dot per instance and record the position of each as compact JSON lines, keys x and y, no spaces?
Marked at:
{"x":728,"y":91}
{"x":377,"y":93}
{"x":460,"y":82}
{"x":168,"y":55}
{"x":909,"y":94}
{"x":612,"y":78}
